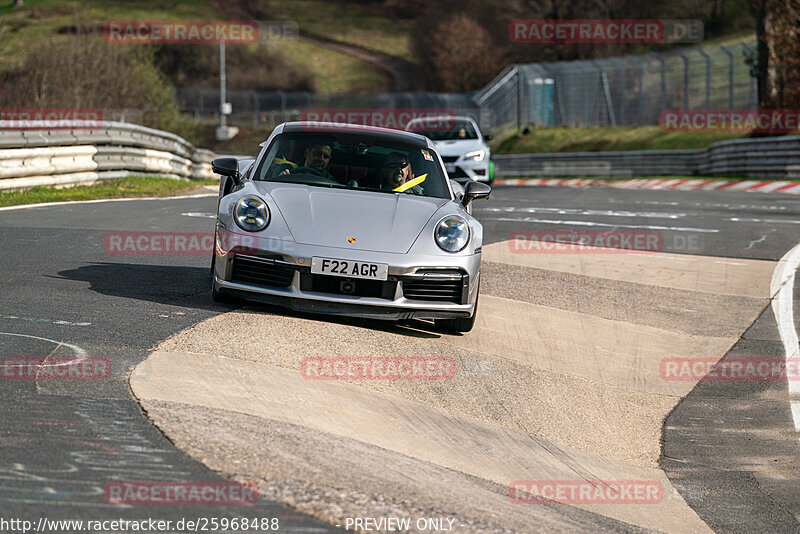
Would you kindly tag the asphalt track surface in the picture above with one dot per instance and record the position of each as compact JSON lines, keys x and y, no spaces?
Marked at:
{"x":63,"y":294}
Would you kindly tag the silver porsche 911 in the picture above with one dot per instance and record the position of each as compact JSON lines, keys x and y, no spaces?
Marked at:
{"x":350,"y":220}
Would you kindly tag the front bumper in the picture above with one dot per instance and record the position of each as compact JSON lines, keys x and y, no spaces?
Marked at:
{"x":467,"y":169}
{"x":283,"y":277}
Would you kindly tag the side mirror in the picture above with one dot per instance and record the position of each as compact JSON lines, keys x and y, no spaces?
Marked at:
{"x":488,"y":137}
{"x":475,"y":191}
{"x":226,"y":167}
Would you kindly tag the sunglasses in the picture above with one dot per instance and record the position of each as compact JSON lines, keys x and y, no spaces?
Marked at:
{"x":397,"y":165}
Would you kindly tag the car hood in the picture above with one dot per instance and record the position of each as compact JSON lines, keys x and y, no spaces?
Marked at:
{"x":379,"y":222}
{"x":457,"y":148}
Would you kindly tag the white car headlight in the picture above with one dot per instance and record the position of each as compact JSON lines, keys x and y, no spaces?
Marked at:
{"x":452,"y":233}
{"x":478,"y":155}
{"x":251,"y":214}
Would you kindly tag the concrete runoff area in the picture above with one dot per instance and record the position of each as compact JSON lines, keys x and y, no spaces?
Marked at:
{"x":708,"y":274}
{"x":546,"y":388}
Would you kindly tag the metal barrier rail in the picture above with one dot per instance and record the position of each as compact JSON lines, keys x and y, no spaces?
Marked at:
{"x":77,"y":154}
{"x":755,"y":158}
{"x":83,"y":156}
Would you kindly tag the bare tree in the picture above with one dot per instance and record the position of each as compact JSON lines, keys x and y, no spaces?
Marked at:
{"x":462,"y":54}
{"x":778,"y":55}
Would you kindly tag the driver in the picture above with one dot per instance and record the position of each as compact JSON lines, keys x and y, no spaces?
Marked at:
{"x":317,"y":158}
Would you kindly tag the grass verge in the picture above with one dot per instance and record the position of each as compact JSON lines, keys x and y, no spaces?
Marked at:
{"x":597,"y":139}
{"x":131,"y":187}
{"x":333,"y":71}
{"x":40,"y":20}
{"x":349,"y":22}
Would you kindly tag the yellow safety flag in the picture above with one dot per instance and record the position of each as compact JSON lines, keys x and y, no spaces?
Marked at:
{"x":411,"y":183}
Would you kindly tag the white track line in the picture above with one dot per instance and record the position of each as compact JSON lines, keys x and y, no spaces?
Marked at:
{"x":590,"y":223}
{"x":68,"y":202}
{"x":782,"y":289}
{"x":79,"y":351}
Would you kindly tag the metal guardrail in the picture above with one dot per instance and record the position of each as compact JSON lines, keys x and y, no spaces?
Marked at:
{"x":80,"y":155}
{"x":755,"y":158}
{"x":68,"y":157}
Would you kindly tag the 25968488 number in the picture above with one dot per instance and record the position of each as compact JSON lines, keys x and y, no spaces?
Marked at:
{"x":244,"y":524}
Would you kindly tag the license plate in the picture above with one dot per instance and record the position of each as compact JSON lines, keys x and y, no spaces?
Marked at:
{"x":350,"y":268}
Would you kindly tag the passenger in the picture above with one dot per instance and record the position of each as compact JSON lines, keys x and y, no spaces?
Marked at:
{"x":396,"y":171}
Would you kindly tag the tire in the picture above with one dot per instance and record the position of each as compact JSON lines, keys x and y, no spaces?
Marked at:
{"x":459,"y":324}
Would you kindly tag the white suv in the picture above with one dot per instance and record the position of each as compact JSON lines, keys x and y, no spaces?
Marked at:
{"x":458,"y":140}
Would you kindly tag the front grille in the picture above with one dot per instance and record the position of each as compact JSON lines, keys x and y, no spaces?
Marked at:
{"x":457,"y":173}
{"x":361,"y":288}
{"x":449,"y":159}
{"x":438,"y":286}
{"x":261,"y":271}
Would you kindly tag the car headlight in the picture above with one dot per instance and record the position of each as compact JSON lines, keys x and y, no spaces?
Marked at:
{"x":478,"y":155}
{"x":452,"y":233}
{"x":251,"y":214}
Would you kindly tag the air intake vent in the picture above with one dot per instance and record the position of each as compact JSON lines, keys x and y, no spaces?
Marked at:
{"x":438,"y":286}
{"x":261,"y":271}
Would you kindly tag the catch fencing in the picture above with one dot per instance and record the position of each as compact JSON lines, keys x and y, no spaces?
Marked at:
{"x":270,"y":108}
{"x":621,"y":91}
{"x":616,"y":91}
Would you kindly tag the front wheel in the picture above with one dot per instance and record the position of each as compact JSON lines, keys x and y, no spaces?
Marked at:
{"x":459,"y":324}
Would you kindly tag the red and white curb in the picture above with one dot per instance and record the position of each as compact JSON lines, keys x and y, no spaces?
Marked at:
{"x":751,"y":186}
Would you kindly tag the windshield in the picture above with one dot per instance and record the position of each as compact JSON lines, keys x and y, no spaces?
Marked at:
{"x":353,"y":162}
{"x":437,"y":130}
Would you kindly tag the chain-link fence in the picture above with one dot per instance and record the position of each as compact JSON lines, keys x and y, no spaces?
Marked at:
{"x":270,"y":108}
{"x":617,"y":91}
